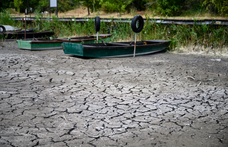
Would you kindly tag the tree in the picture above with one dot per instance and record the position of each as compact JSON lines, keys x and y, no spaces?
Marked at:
{"x":168,"y":7}
{"x":17,"y":4}
{"x":224,"y":9}
{"x":113,"y":5}
{"x":6,"y":4}
{"x":192,"y":6}
{"x":64,"y":5}
{"x":43,"y":5}
{"x":216,"y":6}
{"x":139,"y":4}
{"x":91,"y":4}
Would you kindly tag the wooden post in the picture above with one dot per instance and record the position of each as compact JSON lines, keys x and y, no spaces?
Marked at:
{"x":97,"y":37}
{"x":49,"y":9}
{"x":25,"y":28}
{"x":135,"y":44}
{"x":56,"y":12}
{"x":28,"y":8}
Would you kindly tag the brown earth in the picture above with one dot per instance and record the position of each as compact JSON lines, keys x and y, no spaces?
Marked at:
{"x":48,"y":99}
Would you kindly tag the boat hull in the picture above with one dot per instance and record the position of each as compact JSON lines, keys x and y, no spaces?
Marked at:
{"x":29,"y":34}
{"x":118,"y":49}
{"x":55,"y":44}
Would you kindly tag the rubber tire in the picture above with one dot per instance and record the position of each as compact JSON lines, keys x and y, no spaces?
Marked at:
{"x":134,"y":21}
{"x":97,"y":24}
{"x":4,"y":29}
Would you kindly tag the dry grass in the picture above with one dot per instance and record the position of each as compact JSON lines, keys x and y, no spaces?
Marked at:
{"x":83,"y":12}
{"x":190,"y":49}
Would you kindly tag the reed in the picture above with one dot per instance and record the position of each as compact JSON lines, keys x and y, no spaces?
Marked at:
{"x":6,"y":19}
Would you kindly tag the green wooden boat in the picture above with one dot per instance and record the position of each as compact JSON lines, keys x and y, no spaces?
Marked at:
{"x":39,"y":44}
{"x":115,"y":49}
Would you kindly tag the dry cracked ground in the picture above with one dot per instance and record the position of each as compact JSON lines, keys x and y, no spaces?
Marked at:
{"x":49,"y":99}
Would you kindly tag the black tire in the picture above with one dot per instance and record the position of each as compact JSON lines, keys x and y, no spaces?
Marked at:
{"x":97,"y":24}
{"x":140,"y":21}
{"x":3,"y":28}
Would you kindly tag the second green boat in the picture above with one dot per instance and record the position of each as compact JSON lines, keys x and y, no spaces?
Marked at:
{"x":39,"y":44}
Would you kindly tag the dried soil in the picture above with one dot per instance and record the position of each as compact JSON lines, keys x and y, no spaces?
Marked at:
{"x":48,"y":98}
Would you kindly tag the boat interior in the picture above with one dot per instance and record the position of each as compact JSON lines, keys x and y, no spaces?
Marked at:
{"x":138,"y":43}
{"x":77,"y":38}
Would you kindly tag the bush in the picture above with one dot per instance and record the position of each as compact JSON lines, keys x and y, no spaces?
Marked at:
{"x":6,"y":19}
{"x":169,"y":7}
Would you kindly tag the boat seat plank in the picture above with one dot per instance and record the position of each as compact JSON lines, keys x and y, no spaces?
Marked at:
{"x":119,"y":44}
{"x":154,"y":41}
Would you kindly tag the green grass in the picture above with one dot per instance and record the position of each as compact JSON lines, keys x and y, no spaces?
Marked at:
{"x":206,"y":36}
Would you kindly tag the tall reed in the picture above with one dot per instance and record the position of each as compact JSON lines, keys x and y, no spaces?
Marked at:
{"x":6,"y":19}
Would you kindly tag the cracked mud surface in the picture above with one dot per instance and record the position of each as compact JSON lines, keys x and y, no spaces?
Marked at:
{"x":48,"y":99}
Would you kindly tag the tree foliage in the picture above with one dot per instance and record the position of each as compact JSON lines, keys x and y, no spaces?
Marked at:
{"x":216,"y":6}
{"x":63,"y":5}
{"x":6,"y":4}
{"x":115,"y":5}
{"x":178,"y":7}
{"x":163,"y":7}
{"x":91,"y":5}
{"x":17,"y":4}
{"x":224,"y":9}
{"x":169,"y":7}
{"x":140,"y":5}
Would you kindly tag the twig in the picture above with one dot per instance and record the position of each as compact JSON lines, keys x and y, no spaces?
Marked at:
{"x":199,"y":83}
{"x":201,"y":89}
{"x":190,"y":77}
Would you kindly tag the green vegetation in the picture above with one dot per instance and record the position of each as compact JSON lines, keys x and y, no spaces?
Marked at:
{"x":6,"y":19}
{"x":208,"y":37}
{"x":183,"y":7}
{"x":160,"y":7}
{"x":92,"y":5}
{"x":17,"y":4}
{"x":218,"y":6}
{"x":113,"y":5}
{"x":6,"y":4}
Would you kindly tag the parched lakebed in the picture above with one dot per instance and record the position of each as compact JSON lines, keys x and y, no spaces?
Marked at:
{"x":48,"y":99}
